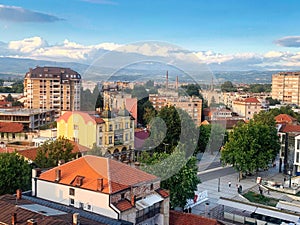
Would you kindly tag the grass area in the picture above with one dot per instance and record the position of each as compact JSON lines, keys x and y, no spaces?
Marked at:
{"x":260,"y":199}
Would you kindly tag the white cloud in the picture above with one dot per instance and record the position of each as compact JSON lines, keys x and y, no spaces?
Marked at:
{"x":27,"y":45}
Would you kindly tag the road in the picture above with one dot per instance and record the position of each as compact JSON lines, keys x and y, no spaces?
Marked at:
{"x":215,"y":173}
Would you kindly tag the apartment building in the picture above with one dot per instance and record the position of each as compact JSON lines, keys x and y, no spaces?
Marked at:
{"x":106,"y":187}
{"x":192,"y":105}
{"x":247,"y":107}
{"x":285,"y":87}
{"x":52,"y":88}
{"x":112,"y":132}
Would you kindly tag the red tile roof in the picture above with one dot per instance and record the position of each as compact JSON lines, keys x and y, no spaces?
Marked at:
{"x":289,"y":128}
{"x":30,"y":153}
{"x":85,"y":116}
{"x":8,"y":206}
{"x":7,"y":150}
{"x":163,"y":193}
{"x":123,"y":205}
{"x":116,"y":176}
{"x":10,"y":127}
{"x":285,"y":118}
{"x":252,"y":100}
{"x":180,"y":218}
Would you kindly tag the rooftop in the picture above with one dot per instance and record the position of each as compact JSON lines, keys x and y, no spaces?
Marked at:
{"x":23,"y":112}
{"x":116,"y":176}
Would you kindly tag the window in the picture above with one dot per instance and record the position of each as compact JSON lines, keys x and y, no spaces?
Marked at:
{"x":72,"y":201}
{"x":298,"y":144}
{"x":100,"y":129}
{"x":100,"y":140}
{"x":126,"y":125}
{"x":122,"y":196}
{"x":75,"y":127}
{"x":2,"y":135}
{"x":110,"y":140}
{"x":110,"y":127}
{"x":26,"y":136}
{"x":126,"y":137}
{"x":151,"y":187}
{"x":72,"y":191}
{"x":297,"y":157}
{"x":13,"y":135}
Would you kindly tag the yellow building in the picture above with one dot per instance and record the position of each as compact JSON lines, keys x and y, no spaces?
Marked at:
{"x":285,"y":87}
{"x":112,"y":132}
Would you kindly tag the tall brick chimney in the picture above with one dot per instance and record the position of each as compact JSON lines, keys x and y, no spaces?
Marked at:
{"x":133,"y":200}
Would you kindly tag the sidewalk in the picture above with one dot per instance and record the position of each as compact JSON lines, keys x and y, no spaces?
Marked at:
{"x":215,"y":192}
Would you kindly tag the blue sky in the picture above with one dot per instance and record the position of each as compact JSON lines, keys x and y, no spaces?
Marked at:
{"x":226,"y":27}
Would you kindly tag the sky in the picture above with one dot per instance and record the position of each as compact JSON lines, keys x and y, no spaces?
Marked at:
{"x":217,"y":31}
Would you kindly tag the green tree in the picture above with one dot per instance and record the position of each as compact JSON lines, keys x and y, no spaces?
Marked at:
{"x":49,"y":153}
{"x":15,"y":173}
{"x":228,"y":86}
{"x":204,"y":134}
{"x":99,"y":101}
{"x":272,"y":101}
{"x":192,"y":89}
{"x":251,"y":146}
{"x":178,"y":174}
{"x":9,"y":98}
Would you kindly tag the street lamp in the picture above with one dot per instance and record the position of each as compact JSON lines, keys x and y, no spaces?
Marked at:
{"x":165,"y":144}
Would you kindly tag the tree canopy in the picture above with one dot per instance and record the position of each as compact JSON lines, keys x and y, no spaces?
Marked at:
{"x":15,"y":173}
{"x":251,"y":146}
{"x":228,"y":86}
{"x":192,"y":89}
{"x":51,"y":152}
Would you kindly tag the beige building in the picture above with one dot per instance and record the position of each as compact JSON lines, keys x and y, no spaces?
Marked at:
{"x":285,"y":87}
{"x":247,"y":107}
{"x":192,"y":105}
{"x":52,"y":88}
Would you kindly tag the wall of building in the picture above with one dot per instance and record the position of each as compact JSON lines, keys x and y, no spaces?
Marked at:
{"x":55,"y":192}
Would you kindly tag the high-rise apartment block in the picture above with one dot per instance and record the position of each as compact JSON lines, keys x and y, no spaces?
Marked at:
{"x":52,"y":88}
{"x":286,"y":87}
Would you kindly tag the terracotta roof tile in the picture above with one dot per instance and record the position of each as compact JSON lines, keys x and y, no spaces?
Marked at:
{"x":163,"y":193}
{"x":7,"y":150}
{"x":285,"y":118}
{"x":86,"y":117}
{"x":252,"y":100}
{"x":116,"y":175}
{"x":10,"y":127}
{"x":8,"y":206}
{"x":30,"y":153}
{"x":180,"y":218}
{"x":123,"y":205}
{"x":289,"y":128}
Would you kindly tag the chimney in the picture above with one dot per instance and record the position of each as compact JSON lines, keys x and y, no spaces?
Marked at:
{"x":167,"y":80}
{"x":61,"y":161}
{"x":31,"y":222}
{"x":100,"y":184}
{"x":14,"y":218}
{"x":35,"y":172}
{"x":76,"y":219}
{"x":133,"y":200}
{"x":79,"y":181}
{"x":19,"y":194}
{"x":57,"y":175}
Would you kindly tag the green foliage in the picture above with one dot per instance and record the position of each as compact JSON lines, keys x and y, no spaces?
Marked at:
{"x":15,"y":173}
{"x":9,"y":98}
{"x":192,"y":89}
{"x":269,"y":117}
{"x":259,"y":88}
{"x":260,"y":199}
{"x":272,"y":101}
{"x":139,"y":92}
{"x":149,"y":84}
{"x":48,"y":126}
{"x":228,"y":86}
{"x":95,"y":151}
{"x":99,"y":101}
{"x":89,"y":100}
{"x":204,"y":134}
{"x":251,"y":146}
{"x":178,"y":174}
{"x":17,"y":87}
{"x":51,"y":152}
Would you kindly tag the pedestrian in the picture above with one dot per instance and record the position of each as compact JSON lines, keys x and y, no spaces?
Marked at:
{"x":229,"y":183}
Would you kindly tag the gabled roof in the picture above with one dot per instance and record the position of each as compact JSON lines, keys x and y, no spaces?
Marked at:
{"x":284,"y":118}
{"x":180,"y":218}
{"x":290,"y":128}
{"x":252,"y":100}
{"x":123,"y":205}
{"x":11,"y":127}
{"x":116,"y":176}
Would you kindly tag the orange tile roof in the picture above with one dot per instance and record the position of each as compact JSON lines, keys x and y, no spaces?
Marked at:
{"x":116,"y":176}
{"x":86,"y":117}
{"x":30,"y":153}
{"x":180,"y":218}
{"x":7,"y":150}
{"x":10,"y":127}
{"x":285,"y":118}
{"x":252,"y":100}
{"x":163,"y":193}
{"x":123,"y":205}
{"x":289,"y":128}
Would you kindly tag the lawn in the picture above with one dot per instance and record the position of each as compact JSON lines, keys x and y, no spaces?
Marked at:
{"x":260,"y":199}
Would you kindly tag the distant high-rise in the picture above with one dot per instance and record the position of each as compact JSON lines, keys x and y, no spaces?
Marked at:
{"x":52,"y":88}
{"x":286,"y":87}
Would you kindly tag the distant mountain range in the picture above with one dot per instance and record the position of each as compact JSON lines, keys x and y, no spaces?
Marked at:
{"x":17,"y":67}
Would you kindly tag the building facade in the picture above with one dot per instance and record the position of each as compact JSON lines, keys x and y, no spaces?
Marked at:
{"x":52,"y":88}
{"x":107,"y":187}
{"x":285,"y":87}
{"x":247,"y":107}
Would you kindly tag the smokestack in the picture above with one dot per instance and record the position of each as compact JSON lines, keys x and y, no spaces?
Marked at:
{"x":167,"y":80}
{"x":76,"y":219}
{"x":100,"y":184}
{"x":57,"y":175}
{"x":14,"y":218}
{"x":176,"y":85}
{"x":31,"y":222}
{"x":19,"y":194}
